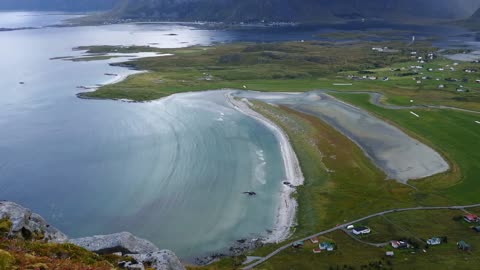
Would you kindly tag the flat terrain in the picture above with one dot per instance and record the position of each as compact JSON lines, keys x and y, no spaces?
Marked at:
{"x":299,"y":66}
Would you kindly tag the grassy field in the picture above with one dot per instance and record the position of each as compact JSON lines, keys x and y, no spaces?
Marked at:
{"x":296,"y":66}
{"x":341,"y":184}
{"x":37,"y":255}
{"x":338,"y":176}
{"x":417,"y":226}
{"x":454,"y":134}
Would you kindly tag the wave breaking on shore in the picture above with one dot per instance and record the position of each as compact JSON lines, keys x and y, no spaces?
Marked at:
{"x":285,"y":217}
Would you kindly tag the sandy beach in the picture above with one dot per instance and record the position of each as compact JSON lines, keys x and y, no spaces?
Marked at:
{"x":286,"y":211}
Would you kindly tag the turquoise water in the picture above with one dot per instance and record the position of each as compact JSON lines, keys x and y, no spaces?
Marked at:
{"x":172,"y":171}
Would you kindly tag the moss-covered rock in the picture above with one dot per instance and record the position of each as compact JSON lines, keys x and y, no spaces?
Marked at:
{"x":5,"y":226}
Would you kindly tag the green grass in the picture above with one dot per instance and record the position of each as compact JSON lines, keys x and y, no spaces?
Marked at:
{"x":22,"y":254}
{"x":423,"y":225}
{"x":293,"y":66}
{"x":357,"y":188}
{"x":455,"y":134}
{"x":338,"y":176}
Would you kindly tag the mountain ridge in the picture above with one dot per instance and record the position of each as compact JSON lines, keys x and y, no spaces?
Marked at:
{"x":290,"y":10}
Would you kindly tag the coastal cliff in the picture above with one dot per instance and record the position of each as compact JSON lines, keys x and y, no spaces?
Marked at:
{"x":27,"y":231}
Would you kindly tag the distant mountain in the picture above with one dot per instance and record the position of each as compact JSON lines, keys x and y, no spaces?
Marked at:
{"x":58,"y":5}
{"x":294,"y":10}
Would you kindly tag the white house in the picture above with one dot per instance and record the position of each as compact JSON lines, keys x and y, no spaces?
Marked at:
{"x":361,"y":230}
{"x":434,"y":241}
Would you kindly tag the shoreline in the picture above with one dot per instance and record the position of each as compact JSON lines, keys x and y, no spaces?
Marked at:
{"x":287,"y":208}
{"x":119,"y":78}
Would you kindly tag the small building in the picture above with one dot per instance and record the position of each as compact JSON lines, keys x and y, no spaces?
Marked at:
{"x":470,"y":217}
{"x":463,"y":246}
{"x":314,"y":240}
{"x":389,"y":253}
{"x":477,"y":81}
{"x":327,"y":246}
{"x":361,"y":230}
{"x":385,"y":79}
{"x":434,"y":241}
{"x":441,"y":86}
{"x":317,"y":250}
{"x":298,"y":244}
{"x":399,"y":244}
{"x":350,"y":227}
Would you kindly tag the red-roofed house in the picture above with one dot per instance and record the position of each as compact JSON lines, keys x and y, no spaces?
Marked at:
{"x":317,"y":250}
{"x":314,"y":240}
{"x":470,"y":218}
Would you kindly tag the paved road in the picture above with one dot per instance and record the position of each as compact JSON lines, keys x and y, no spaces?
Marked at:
{"x":339,"y":227}
{"x":375,"y":98}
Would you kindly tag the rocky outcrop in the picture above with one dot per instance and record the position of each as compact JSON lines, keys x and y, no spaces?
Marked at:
{"x":143,"y":251}
{"x":123,"y":242}
{"x":160,"y":260}
{"x":29,"y":225}
{"x":131,"y":265}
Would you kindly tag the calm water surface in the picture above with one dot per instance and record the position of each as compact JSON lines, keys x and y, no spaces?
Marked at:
{"x":171,"y":171}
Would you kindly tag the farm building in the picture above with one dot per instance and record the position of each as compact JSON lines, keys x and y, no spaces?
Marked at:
{"x":470,"y":218}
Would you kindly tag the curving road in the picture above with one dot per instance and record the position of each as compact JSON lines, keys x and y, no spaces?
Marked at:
{"x":339,"y":227}
{"x":375,"y":99}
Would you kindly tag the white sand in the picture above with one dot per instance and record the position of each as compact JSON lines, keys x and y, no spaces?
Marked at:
{"x":285,"y":217}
